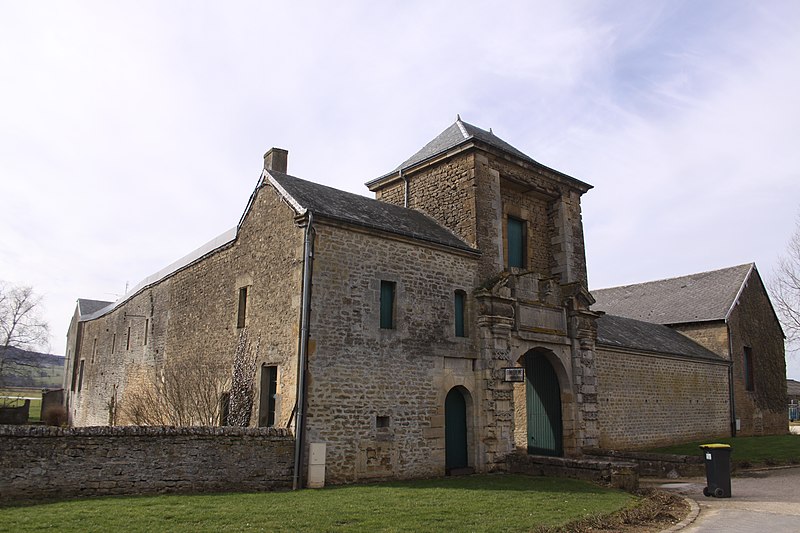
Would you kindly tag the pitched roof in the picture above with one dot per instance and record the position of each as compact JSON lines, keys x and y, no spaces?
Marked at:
{"x":620,"y":332}
{"x":457,"y":133}
{"x":792,"y":387}
{"x":87,"y":307}
{"x":362,"y":211}
{"x":461,"y":132}
{"x":702,"y":297}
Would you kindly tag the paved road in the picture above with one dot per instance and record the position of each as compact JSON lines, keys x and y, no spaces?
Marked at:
{"x":761,"y":502}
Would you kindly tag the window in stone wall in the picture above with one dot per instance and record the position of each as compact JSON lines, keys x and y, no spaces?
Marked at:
{"x":749,"y":383}
{"x":460,"y":305}
{"x":241,"y":316}
{"x":94,"y":348}
{"x":128,"y":339}
{"x":113,"y":342}
{"x":146,"y":330}
{"x":387,"y":304}
{"x":269,"y":388}
{"x":80,"y":377}
{"x":516,"y":238}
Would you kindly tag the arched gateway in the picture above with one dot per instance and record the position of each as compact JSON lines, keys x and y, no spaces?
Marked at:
{"x":543,"y":403}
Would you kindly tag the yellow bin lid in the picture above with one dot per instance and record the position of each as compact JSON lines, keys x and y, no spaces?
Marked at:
{"x":704,"y":446}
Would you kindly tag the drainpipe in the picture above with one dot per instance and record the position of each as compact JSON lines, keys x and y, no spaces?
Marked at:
{"x":305,"y":304}
{"x":405,"y":188}
{"x":730,"y":380}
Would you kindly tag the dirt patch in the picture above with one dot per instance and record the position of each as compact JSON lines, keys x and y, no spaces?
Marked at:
{"x":655,"y":511}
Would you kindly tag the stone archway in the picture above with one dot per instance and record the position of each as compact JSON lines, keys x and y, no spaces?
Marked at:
{"x":544,"y":412}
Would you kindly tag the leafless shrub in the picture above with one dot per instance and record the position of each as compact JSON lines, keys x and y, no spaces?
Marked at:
{"x":55,"y":415}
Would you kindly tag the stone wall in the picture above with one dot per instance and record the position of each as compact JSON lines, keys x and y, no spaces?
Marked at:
{"x":648,"y":400}
{"x":376,"y":396}
{"x":192,"y":314}
{"x":46,"y":462}
{"x":752,"y":323}
{"x":614,"y":472}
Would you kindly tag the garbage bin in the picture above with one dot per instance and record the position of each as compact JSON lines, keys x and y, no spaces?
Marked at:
{"x":718,"y":470}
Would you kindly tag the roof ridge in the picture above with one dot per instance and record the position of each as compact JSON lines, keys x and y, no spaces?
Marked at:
{"x":462,"y":128}
{"x":661,"y":280}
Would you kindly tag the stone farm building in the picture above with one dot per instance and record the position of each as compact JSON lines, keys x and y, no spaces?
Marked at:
{"x":438,"y":327}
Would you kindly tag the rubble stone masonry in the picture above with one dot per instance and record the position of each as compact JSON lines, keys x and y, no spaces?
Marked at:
{"x":47,"y":462}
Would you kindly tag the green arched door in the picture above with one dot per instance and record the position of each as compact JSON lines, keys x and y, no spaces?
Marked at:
{"x":455,"y":430}
{"x":543,"y":402}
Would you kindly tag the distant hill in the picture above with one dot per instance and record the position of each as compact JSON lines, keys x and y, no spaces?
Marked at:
{"x":34,"y":370}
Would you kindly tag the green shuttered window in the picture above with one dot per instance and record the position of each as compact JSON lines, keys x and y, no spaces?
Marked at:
{"x":387,"y":304}
{"x":460,"y":297}
{"x":515,"y":233}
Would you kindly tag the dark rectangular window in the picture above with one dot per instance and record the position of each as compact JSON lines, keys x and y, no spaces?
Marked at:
{"x":749,"y":384}
{"x":459,"y":313}
{"x":80,"y":377}
{"x":94,"y":349}
{"x":269,"y":388}
{"x":113,"y":342}
{"x":128,"y":340}
{"x":387,"y":304}
{"x":146,"y":327}
{"x":517,"y":238}
{"x":242,"y":314}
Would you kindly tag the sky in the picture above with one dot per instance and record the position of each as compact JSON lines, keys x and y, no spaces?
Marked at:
{"x":131,"y":133}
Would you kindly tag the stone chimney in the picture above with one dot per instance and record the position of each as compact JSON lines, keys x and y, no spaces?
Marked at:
{"x":276,"y":159}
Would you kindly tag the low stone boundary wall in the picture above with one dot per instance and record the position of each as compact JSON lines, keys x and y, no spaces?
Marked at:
{"x":656,"y":464}
{"x":622,"y":475}
{"x":50,"y":462}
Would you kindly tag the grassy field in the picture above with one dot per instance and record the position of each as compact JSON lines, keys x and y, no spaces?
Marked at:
{"x":15,"y":398}
{"x":749,"y":451}
{"x":469,"y":503}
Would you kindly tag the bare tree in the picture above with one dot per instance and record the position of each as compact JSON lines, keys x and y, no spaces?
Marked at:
{"x":786,"y":289}
{"x":21,"y":324}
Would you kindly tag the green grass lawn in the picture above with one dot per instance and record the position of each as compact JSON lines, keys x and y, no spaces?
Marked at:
{"x":748,"y":451}
{"x":470,"y":503}
{"x":14,"y":398}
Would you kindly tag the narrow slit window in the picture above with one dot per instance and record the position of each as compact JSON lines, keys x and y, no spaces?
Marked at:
{"x":146,"y":328}
{"x":80,"y":377}
{"x":387,"y":304}
{"x":516,"y":239}
{"x":128,"y":339}
{"x":113,"y":342}
{"x":749,"y":384}
{"x":269,"y":390}
{"x":242,"y":313}
{"x":94,"y":349}
{"x":460,"y":298}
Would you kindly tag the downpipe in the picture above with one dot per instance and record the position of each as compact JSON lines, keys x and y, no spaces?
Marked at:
{"x":305,"y":304}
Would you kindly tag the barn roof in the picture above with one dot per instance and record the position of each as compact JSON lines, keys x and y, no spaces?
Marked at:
{"x":619,"y":332}
{"x":703,"y":297}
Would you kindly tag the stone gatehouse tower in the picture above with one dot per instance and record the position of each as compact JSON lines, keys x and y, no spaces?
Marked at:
{"x":531,"y":303}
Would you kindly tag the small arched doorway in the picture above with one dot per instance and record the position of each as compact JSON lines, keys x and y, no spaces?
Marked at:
{"x":455,"y":431}
{"x":543,"y":403}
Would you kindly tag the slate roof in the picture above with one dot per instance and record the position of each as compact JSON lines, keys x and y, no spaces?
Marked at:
{"x":703,"y":297}
{"x":87,"y":307}
{"x":620,"y":332}
{"x":457,"y":133}
{"x":362,"y":211}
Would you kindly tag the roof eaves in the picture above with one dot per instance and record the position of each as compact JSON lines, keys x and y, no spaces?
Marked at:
{"x":464,"y":249}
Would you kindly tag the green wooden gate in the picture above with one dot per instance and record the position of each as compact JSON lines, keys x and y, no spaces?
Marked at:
{"x":455,"y":430}
{"x":543,"y":401}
